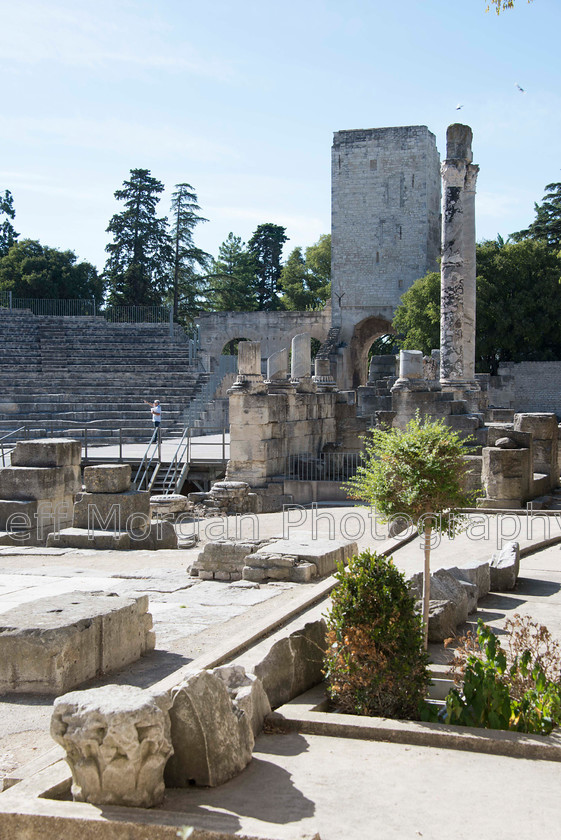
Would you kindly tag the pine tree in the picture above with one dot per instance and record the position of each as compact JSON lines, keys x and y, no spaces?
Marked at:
{"x":266,"y":246}
{"x":187,"y":282}
{"x":547,"y":224}
{"x":233,"y":278}
{"x":137,"y":270}
{"x":7,"y":233}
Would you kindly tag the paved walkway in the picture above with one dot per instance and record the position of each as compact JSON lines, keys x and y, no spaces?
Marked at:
{"x":192,"y":616}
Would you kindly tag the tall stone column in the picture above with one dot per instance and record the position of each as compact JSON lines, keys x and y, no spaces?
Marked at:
{"x":457,"y":318}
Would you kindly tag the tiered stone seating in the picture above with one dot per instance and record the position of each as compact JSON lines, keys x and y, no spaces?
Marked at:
{"x":78,"y":370}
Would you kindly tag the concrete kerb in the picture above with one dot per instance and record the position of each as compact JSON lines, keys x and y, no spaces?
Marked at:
{"x":308,"y":714}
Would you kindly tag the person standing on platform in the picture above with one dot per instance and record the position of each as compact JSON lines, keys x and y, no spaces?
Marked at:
{"x":156,"y":410}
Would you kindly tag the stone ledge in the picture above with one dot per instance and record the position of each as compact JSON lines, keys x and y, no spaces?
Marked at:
{"x":308,"y":714}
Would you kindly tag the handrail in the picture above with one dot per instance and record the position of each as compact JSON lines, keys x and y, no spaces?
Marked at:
{"x":147,"y":461}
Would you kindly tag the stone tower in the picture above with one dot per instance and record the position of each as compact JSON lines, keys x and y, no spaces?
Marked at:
{"x":385,"y":227}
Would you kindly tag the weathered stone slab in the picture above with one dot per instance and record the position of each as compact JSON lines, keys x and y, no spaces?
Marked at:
{"x":291,"y":665}
{"x":324,"y":554}
{"x":117,"y":742}
{"x":160,"y":535}
{"x":476,"y":572}
{"x":109,"y":512}
{"x":504,"y":568}
{"x":47,"y":452}
{"x":247,"y":694}
{"x":54,"y":644}
{"x":39,"y":482}
{"x":107,"y":478}
{"x":212,"y":740}
{"x":89,"y":538}
{"x":170,"y":505}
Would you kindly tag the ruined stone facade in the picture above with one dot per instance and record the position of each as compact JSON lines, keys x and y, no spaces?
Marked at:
{"x":385,"y":220}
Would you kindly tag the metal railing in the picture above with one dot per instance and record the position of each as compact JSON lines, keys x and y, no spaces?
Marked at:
{"x":87,"y":307}
{"x":89,"y":435}
{"x":329,"y":466}
{"x":150,"y":464}
{"x":185,"y":454}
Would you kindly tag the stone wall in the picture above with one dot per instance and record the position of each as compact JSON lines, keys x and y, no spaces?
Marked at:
{"x":527,"y":386}
{"x":266,"y":428}
{"x":274,"y":330}
{"x":385,"y":219}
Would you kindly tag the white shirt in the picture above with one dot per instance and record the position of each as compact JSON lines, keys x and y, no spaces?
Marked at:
{"x":156,"y":413}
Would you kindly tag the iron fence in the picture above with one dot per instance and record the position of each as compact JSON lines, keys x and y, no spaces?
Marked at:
{"x":329,"y":466}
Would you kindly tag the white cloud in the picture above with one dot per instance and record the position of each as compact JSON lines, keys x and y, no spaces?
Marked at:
{"x":99,"y":36}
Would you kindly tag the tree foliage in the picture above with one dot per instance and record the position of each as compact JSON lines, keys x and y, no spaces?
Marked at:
{"x":374,"y":664}
{"x":232,"y":278}
{"x":266,"y":246}
{"x":8,"y":234}
{"x":140,"y":255}
{"x":417,"y":318}
{"x":546,"y":227}
{"x":305,"y":281}
{"x":188,"y":261}
{"x":502,"y":5}
{"x":32,"y":270}
{"x":417,"y":473}
{"x":518,"y":298}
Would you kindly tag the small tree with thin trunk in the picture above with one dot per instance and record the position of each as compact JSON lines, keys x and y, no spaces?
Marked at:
{"x":416,"y":473}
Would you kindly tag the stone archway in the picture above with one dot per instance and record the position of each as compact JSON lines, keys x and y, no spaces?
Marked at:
{"x":364,"y":334}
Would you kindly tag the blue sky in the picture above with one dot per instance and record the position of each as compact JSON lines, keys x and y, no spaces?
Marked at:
{"x":241,"y":100}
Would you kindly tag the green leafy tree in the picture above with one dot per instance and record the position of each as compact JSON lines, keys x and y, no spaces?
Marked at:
{"x":417,"y":473}
{"x":232,"y":278}
{"x":547,"y":225}
{"x":518,"y":297}
{"x":137,"y":270}
{"x":7,"y":213}
{"x":188,"y":260}
{"x":266,"y":246}
{"x":305,"y":281}
{"x":417,"y":318}
{"x":32,"y":270}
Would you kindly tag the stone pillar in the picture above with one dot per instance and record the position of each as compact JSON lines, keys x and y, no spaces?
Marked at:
{"x":277,"y":372}
{"x":301,"y":362}
{"x":322,"y":375}
{"x":249,"y":376}
{"x":410,"y":372}
{"x":457,"y":319}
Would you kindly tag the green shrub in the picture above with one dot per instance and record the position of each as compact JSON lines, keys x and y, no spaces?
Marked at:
{"x":375,"y":663}
{"x":514,"y":691}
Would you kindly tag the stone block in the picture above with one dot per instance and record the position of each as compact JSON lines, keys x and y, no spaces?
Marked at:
{"x":303,"y":573}
{"x":442,"y":620}
{"x":171,"y":505}
{"x":89,"y":538}
{"x":160,"y":535}
{"x":54,"y":644}
{"x":247,"y":694}
{"x":324,"y":554}
{"x":476,"y":572}
{"x":107,"y":478}
{"x":504,"y":567}
{"x":52,"y":483}
{"x":250,"y":574}
{"x":506,"y":473}
{"x":117,"y":742}
{"x":111,"y":511}
{"x":47,"y":452}
{"x":14,"y":509}
{"x":212,"y":740}
{"x":292,"y":664}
